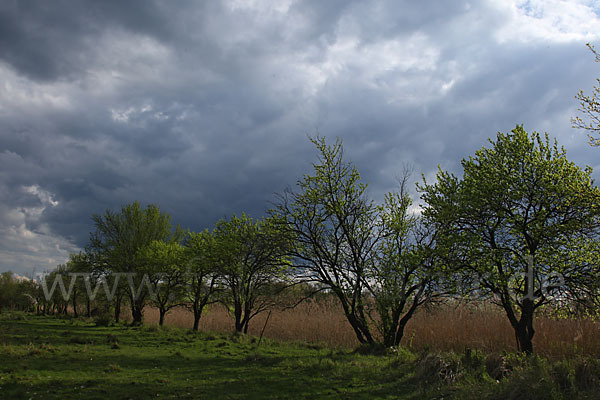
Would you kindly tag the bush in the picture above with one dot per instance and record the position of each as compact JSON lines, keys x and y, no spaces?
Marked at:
{"x":530,"y":381}
{"x":103,"y":320}
{"x":474,"y":362}
{"x":402,"y":355}
{"x":496,"y":366}
{"x":435,"y":369}
{"x":17,"y":316}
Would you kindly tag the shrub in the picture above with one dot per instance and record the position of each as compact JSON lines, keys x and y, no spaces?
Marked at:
{"x":474,"y":362}
{"x":435,"y":369}
{"x":497,"y":366}
{"x":103,"y":320}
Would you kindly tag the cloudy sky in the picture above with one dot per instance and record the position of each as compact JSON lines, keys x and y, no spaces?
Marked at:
{"x":204,"y":107}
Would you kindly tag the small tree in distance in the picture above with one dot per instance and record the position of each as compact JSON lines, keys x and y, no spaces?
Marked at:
{"x":202,"y":273}
{"x":165,"y":265}
{"x":118,"y":240}
{"x":252,"y":263}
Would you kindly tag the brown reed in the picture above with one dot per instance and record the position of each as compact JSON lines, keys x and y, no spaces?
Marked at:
{"x":447,"y":327}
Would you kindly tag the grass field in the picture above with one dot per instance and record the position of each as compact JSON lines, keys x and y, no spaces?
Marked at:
{"x":61,"y":358}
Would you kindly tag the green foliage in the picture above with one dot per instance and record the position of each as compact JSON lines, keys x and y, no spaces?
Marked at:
{"x":120,"y":236}
{"x":201,"y":284}
{"x":16,"y":294}
{"x":519,"y":215}
{"x":119,"y":241}
{"x":165,"y":264}
{"x":375,"y":259}
{"x":252,"y":262}
{"x":590,"y":109}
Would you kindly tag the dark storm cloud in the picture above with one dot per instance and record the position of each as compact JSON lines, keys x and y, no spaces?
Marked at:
{"x":51,"y":40}
{"x":204,"y":107}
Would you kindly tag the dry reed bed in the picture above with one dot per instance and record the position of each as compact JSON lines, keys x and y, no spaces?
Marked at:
{"x":445,"y":328}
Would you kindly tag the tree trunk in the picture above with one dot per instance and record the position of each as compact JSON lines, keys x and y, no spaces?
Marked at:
{"x":89,"y":308}
{"x":237,"y":312}
{"x":197,"y":315}
{"x":117,"y":309}
{"x":524,"y":329}
{"x":75,"y":314}
{"x":362,"y":332}
{"x":196,"y":322}
{"x":400,"y":331}
{"x":137,"y":314}
{"x":404,"y":320}
{"x":161,"y":319}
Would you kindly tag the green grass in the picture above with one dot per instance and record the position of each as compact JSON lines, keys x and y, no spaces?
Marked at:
{"x":51,"y":358}
{"x":48,"y":358}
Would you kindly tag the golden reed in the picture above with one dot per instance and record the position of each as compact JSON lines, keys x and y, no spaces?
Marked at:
{"x":444,"y":327}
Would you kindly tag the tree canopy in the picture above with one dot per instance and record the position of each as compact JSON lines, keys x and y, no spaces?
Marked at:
{"x":519,"y":204}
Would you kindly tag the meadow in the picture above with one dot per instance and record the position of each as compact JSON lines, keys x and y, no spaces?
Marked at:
{"x":49,"y":357}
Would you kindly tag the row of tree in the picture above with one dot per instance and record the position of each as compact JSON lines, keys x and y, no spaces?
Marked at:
{"x":520,"y":228}
{"x":16,"y":293}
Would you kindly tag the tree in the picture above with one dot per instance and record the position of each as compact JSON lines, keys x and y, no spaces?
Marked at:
{"x":333,"y":222}
{"x":118,"y":239}
{"x":16,"y":293}
{"x":8,"y":289}
{"x":76,"y":265}
{"x":372,"y":258}
{"x":201,"y":274}
{"x":105,"y":273}
{"x":519,"y":204}
{"x":252,"y":263}
{"x":405,"y":273}
{"x":590,"y":109}
{"x":164,"y":263}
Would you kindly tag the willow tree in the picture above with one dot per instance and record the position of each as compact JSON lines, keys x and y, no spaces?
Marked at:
{"x":514,"y":223}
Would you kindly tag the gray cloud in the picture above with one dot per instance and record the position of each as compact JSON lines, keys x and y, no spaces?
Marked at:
{"x":204,"y":107}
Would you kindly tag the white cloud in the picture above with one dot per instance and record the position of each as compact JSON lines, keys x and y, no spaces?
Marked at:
{"x":45,"y":197}
{"x":548,"y":20}
{"x":19,"y":94}
{"x":25,"y":249}
{"x":265,"y":6}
